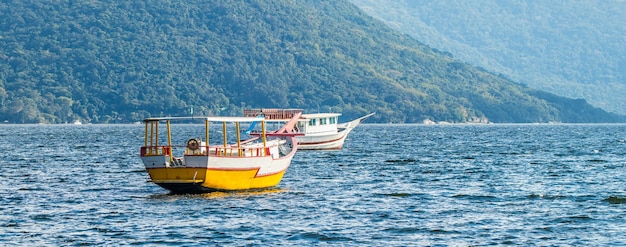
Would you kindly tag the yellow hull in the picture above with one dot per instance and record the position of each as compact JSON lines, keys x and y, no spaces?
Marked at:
{"x":202,"y":180}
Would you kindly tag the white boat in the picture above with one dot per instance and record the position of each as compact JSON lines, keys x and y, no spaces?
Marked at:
{"x":321,"y":130}
{"x":206,"y":165}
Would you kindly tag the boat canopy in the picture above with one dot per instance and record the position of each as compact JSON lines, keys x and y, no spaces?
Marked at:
{"x":210,"y":119}
{"x":320,"y":115}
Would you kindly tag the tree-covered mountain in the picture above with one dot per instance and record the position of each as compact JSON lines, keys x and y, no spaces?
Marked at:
{"x":122,"y":61}
{"x":571,"y":48}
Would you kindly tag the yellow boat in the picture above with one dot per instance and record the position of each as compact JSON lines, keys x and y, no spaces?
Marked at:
{"x":215,"y":165}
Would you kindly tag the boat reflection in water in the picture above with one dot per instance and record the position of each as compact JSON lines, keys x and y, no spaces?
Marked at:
{"x":222,"y":194}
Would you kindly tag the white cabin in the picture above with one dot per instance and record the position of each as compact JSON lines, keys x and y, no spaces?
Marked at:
{"x":319,"y":123}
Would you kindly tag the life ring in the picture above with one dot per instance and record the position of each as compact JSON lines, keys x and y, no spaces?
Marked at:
{"x":193,"y":144}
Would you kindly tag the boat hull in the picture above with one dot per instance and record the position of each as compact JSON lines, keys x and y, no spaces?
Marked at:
{"x":333,"y":141}
{"x":214,"y":180}
{"x":221,"y":174}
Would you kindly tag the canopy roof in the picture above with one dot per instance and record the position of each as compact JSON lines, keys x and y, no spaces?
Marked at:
{"x":210,"y":119}
{"x":320,"y":115}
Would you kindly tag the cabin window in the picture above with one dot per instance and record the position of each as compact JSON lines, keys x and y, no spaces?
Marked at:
{"x":333,"y":120}
{"x":312,"y":122}
{"x":323,"y":121}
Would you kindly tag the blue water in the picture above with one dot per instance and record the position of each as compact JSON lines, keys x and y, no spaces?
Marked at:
{"x":392,"y":185}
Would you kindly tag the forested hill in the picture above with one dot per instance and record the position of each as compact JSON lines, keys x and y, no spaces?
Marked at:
{"x":568,"y":47}
{"x":122,"y":61}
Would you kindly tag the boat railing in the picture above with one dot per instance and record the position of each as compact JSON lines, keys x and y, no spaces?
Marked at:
{"x":239,"y":151}
{"x":230,"y":151}
{"x":155,"y":150}
{"x":271,"y":113}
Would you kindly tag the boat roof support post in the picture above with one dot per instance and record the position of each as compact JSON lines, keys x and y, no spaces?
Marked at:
{"x":149,"y":134}
{"x":169,"y":133}
{"x":206,"y":131}
{"x":151,"y":137}
{"x":169,"y":140}
{"x":263,"y":135}
{"x":156,"y":134}
{"x":145,"y":135}
{"x":238,"y":139}
{"x":224,"y":131}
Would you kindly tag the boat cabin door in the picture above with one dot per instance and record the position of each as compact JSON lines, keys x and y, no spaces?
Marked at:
{"x":300,"y":127}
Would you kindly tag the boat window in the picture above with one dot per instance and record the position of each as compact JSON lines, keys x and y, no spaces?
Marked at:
{"x":323,"y":121}
{"x":312,"y":122}
{"x":333,"y":120}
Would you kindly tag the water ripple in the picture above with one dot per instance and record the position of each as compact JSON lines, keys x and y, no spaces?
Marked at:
{"x":460,"y":185}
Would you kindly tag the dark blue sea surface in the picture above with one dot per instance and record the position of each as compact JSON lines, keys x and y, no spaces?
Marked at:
{"x":391,"y":185}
